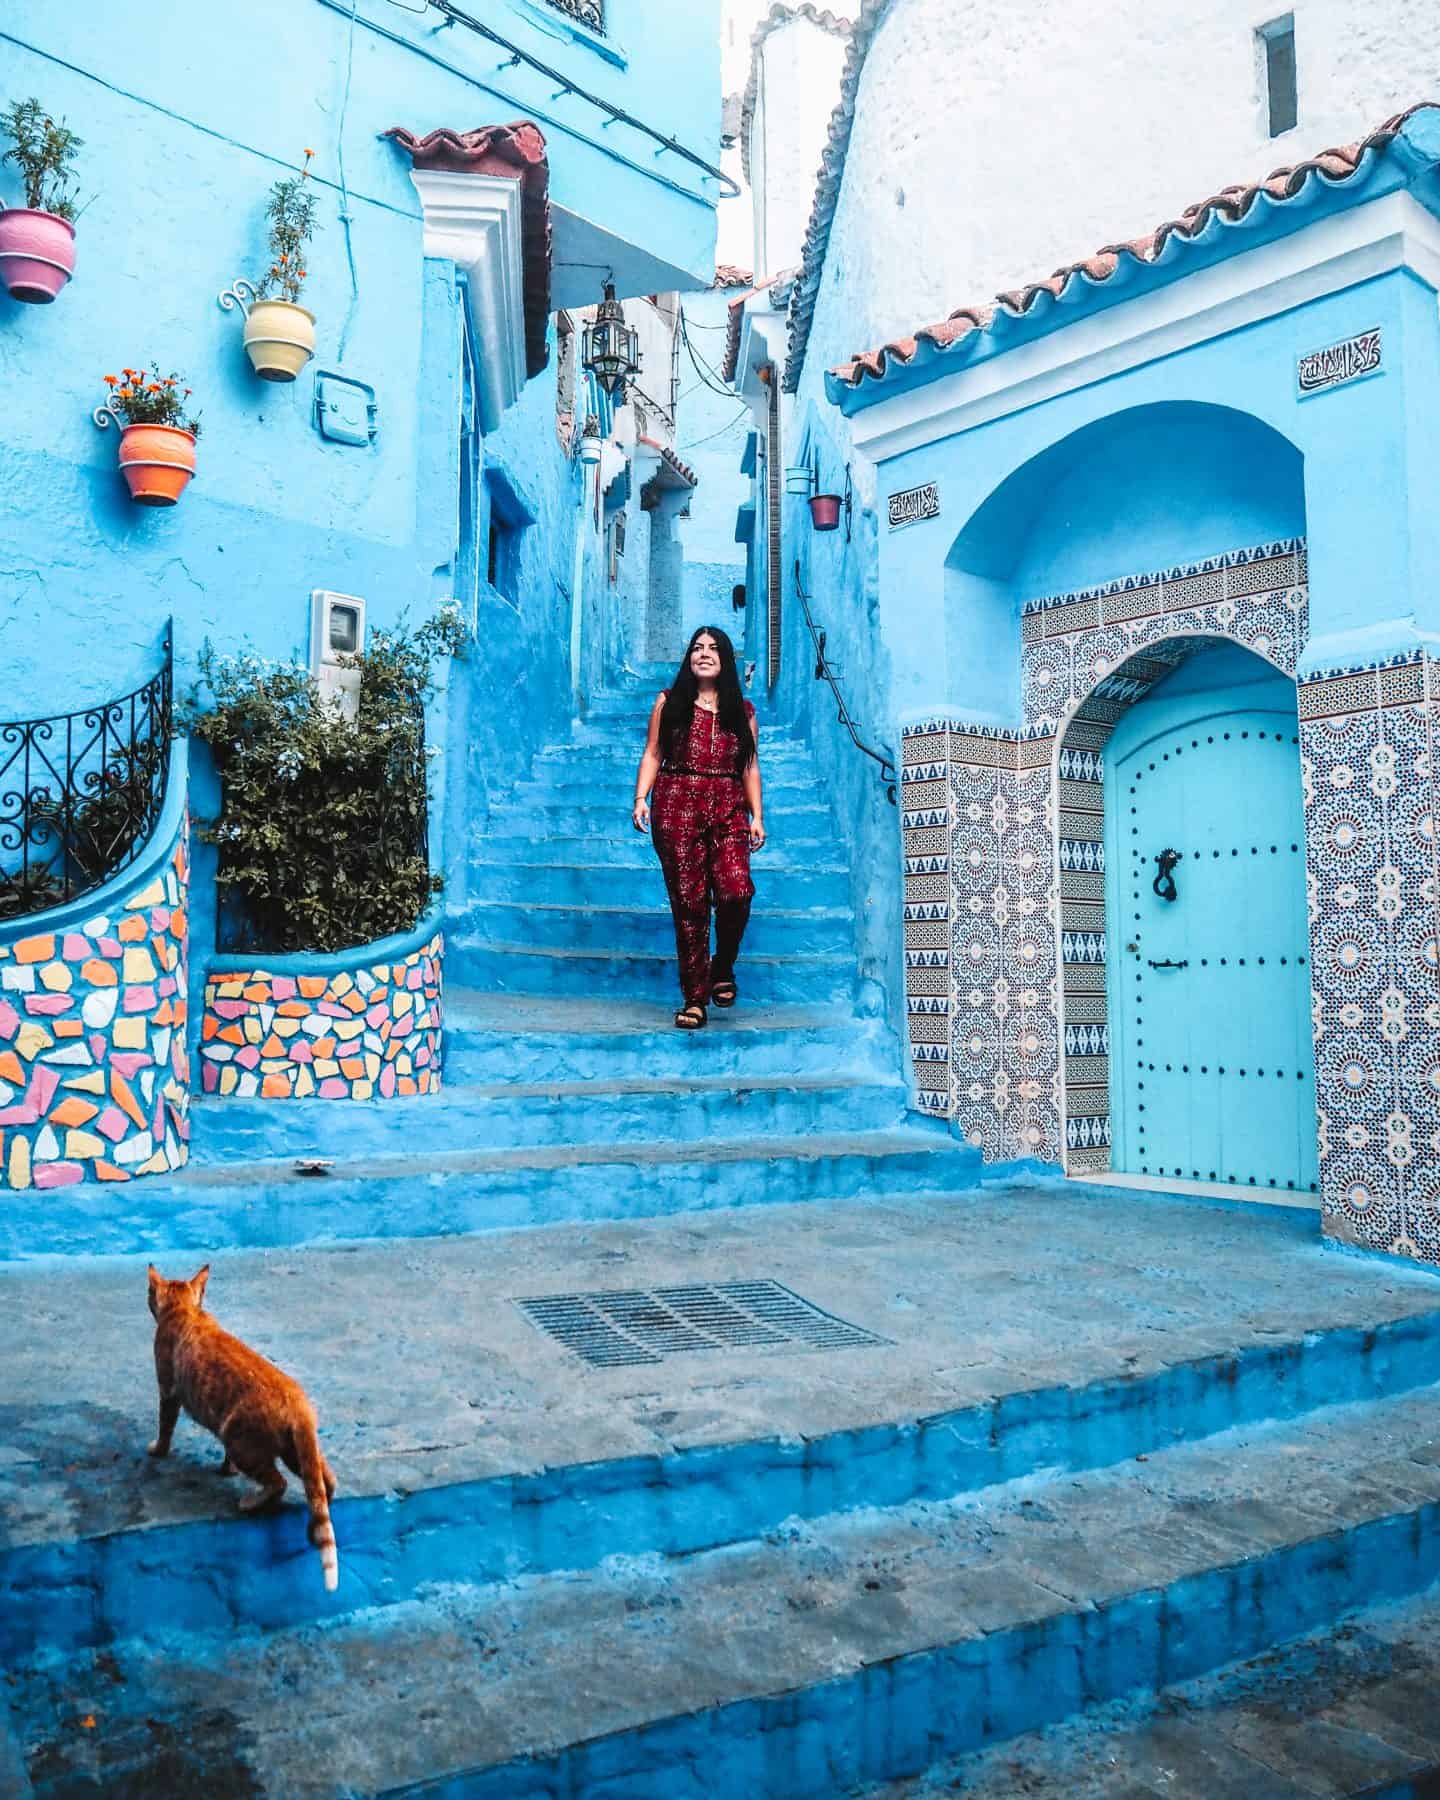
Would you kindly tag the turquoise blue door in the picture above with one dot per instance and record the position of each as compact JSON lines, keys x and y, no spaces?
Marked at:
{"x":1212,"y":1068}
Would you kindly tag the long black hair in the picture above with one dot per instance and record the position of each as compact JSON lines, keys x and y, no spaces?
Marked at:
{"x":679,"y":711}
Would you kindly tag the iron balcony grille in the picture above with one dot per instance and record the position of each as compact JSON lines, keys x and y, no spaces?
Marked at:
{"x":81,"y":793}
{"x":588,"y":12}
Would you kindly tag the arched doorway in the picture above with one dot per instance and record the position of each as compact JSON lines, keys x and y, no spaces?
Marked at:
{"x":1211,"y":1061}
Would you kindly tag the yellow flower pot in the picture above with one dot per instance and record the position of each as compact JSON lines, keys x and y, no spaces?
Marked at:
{"x":279,"y":339}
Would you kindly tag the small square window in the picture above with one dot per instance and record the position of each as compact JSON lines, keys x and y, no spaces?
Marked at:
{"x":1277,"y":61}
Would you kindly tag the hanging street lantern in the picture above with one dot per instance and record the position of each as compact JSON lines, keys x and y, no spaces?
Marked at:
{"x":610,"y":349}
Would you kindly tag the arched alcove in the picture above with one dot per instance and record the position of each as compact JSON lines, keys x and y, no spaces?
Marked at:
{"x":1141,"y":490}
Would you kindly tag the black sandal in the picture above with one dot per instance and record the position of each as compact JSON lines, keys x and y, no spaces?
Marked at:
{"x":691,"y":1017}
{"x":724,"y":993}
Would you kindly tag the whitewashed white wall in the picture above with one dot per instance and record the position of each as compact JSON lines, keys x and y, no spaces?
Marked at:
{"x":799,"y":83}
{"x":994,"y":142}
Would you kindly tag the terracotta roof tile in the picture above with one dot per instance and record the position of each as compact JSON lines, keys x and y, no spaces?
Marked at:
{"x":727,"y":275}
{"x":672,"y":461}
{"x":735,"y":319}
{"x":517,"y":150}
{"x":1230,"y":204}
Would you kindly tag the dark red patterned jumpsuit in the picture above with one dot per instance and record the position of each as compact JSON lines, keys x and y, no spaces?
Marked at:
{"x":701,"y":827}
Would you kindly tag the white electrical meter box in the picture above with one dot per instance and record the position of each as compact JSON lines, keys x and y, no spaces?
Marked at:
{"x":337,"y":629}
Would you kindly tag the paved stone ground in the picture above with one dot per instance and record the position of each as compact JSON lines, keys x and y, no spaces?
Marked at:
{"x":1346,"y":1712}
{"x":425,"y":1372}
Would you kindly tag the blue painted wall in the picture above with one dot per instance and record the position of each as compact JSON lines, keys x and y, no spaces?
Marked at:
{"x":710,"y":433}
{"x":188,"y":116}
{"x":1111,"y":510}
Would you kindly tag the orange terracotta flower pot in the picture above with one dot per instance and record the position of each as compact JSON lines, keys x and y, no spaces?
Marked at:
{"x":157,"y":462}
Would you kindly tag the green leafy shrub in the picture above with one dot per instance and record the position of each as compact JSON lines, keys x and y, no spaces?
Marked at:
{"x":322,"y":833}
{"x":43,"y":151}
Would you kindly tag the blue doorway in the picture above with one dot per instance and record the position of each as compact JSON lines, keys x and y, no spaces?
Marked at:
{"x":1211,"y":1058}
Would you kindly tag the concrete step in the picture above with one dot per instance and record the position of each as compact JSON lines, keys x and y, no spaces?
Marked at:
{"x":571,"y":925}
{"x":690,"y":1107}
{"x":512,"y":838}
{"x":441,"y":1193}
{"x":604,"y":816}
{"x":509,"y":968}
{"x":789,"y":885}
{"x":1350,"y":1711}
{"x":1025,"y":1328}
{"x":613,"y":784}
{"x":797,"y":1665}
{"x":788,"y":755}
{"x":494,"y":1037}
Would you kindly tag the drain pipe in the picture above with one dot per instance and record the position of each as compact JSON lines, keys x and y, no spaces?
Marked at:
{"x":590,"y":448}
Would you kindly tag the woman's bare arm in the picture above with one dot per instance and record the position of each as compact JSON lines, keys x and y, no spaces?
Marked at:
{"x":649,"y":768}
{"x":754,"y":797}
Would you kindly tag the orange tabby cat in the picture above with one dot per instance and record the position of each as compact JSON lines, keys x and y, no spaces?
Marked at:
{"x":256,"y":1411}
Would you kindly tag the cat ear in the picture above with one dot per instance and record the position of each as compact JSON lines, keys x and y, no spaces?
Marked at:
{"x":154,"y":1275}
{"x":196,"y":1283}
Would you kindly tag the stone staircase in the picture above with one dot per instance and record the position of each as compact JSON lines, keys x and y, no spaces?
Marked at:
{"x":649,"y":1492}
{"x":1093,"y":1449}
{"x":567,"y":1092}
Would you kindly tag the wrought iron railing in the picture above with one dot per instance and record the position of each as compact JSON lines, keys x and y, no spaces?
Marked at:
{"x":81,"y":793}
{"x":825,"y":670}
{"x":588,"y":12}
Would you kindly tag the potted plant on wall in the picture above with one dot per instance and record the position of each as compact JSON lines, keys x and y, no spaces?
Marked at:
{"x":279,"y":331}
{"x":37,"y":240}
{"x":157,"y":433}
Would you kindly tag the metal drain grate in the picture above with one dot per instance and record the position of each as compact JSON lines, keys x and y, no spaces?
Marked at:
{"x":644,"y":1325}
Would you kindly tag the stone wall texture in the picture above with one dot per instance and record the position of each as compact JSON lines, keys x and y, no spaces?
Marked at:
{"x":372,"y":1032}
{"x":94,"y":1073}
{"x":948,"y":198}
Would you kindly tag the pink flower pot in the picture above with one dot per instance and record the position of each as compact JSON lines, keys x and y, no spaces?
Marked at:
{"x":825,"y":511}
{"x":37,"y":254}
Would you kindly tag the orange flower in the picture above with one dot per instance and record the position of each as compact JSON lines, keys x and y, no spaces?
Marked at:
{"x":169,"y":381}
{"x":109,"y":380}
{"x":300,"y":273}
{"x":155,"y":388}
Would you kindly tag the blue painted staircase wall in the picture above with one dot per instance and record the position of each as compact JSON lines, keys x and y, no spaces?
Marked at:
{"x":568,"y":1094}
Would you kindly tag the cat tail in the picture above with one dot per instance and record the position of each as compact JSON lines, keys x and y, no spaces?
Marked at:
{"x":312,"y":1473}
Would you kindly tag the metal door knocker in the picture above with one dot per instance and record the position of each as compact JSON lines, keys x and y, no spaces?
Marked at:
{"x":1164,"y":882}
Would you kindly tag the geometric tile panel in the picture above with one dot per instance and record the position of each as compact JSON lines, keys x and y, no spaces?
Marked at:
{"x":1025,"y":939}
{"x":94,"y":1074}
{"x":1368,"y":750}
{"x":365,"y":1033}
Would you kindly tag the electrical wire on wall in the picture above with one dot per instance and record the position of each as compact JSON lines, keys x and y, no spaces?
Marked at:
{"x":702,"y":368}
{"x":345,"y":218}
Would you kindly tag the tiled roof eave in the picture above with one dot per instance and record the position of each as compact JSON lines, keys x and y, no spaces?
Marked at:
{"x":517,"y":151}
{"x":1225,"y":225}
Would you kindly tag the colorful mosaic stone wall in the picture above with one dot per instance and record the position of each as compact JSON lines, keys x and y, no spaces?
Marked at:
{"x":94,"y":1074}
{"x":351,"y":1034}
{"x":1368,"y":747}
{"x":1005,"y":857}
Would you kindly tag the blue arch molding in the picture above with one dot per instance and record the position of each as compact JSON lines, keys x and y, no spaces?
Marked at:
{"x":1399,"y":156}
